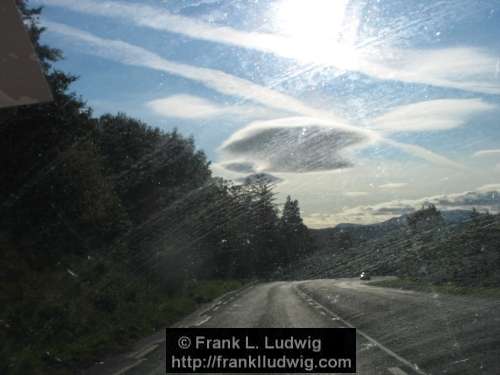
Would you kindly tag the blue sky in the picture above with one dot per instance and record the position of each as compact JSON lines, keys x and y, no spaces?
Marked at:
{"x":357,"y":106}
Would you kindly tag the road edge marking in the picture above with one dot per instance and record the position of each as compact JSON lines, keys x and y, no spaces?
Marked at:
{"x":407,"y":363}
{"x":396,"y":371}
{"x":129,"y":367}
{"x":144,"y":352}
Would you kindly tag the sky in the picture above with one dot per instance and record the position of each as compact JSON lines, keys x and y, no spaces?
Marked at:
{"x":362,"y":110}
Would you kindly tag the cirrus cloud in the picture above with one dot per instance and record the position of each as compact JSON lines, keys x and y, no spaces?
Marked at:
{"x":481,"y":153}
{"x":462,"y":67}
{"x":393,"y":185}
{"x":193,"y":107}
{"x":441,"y":114}
{"x":230,"y":85}
{"x":217,"y":80}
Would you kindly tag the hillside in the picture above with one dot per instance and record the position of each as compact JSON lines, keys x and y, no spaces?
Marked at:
{"x":347,"y":234}
{"x":464,"y":253}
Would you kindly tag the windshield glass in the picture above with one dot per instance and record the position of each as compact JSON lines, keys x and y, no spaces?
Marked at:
{"x":328,"y":163}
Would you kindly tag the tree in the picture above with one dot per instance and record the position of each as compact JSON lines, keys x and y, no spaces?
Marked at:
{"x":53,"y":189}
{"x":291,"y":214}
{"x":149,"y":168}
{"x":97,"y":212}
{"x":426,"y":216}
{"x":264,"y":230}
{"x":296,"y":237}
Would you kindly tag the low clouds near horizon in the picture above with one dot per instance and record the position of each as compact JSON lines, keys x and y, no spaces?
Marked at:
{"x":393,"y":185}
{"x":484,"y":198}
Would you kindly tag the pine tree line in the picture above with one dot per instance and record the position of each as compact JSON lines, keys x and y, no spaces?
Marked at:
{"x":102,"y":217}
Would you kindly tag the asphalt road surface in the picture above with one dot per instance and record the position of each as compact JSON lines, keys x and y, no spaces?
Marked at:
{"x":398,"y":332}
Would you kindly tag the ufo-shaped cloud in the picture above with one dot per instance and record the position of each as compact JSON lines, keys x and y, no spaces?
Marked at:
{"x":296,"y":144}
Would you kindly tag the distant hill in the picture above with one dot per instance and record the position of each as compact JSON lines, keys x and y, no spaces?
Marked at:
{"x":463,"y":249}
{"x":348,"y":234}
{"x":456,"y":216}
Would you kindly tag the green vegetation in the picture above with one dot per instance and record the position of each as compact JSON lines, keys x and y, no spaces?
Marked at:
{"x":420,"y":246}
{"x":70,"y":331}
{"x":428,"y":215}
{"x":111,"y":229}
{"x":447,"y":288}
{"x":207,"y":291}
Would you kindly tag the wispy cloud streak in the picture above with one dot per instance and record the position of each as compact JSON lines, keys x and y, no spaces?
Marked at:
{"x":224,"y":83}
{"x":441,"y":114}
{"x":463,"y":68}
{"x":481,"y":153}
{"x":193,"y":107}
{"x":217,"y":80}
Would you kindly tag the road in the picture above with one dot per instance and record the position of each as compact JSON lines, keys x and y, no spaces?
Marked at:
{"x":399,"y":332}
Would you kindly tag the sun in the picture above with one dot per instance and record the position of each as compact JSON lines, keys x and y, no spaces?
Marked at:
{"x":301,"y":19}
{"x":319,"y":30}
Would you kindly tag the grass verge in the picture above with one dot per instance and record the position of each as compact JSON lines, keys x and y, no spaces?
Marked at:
{"x":448,"y":288}
{"x":73,"y":333}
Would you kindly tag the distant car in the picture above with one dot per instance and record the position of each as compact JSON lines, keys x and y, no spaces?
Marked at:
{"x":364,"y":276}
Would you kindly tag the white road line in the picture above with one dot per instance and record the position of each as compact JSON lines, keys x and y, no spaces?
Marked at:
{"x":460,"y":361}
{"x":413,"y":366}
{"x":142,"y":353}
{"x":125,"y":369}
{"x":396,"y":371}
{"x":203,"y":321}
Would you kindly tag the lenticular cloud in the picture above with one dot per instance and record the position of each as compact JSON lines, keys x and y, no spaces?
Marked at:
{"x":282,"y":147}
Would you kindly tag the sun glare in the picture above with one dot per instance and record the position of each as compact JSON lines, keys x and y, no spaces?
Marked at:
{"x":319,"y":30}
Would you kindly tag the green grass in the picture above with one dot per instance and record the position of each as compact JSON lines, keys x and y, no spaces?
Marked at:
{"x":209,"y":290}
{"x":448,"y":288}
{"x":150,"y":316}
{"x":72,"y":334}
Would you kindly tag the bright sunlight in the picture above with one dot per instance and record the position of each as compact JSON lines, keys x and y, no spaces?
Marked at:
{"x":321,"y":31}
